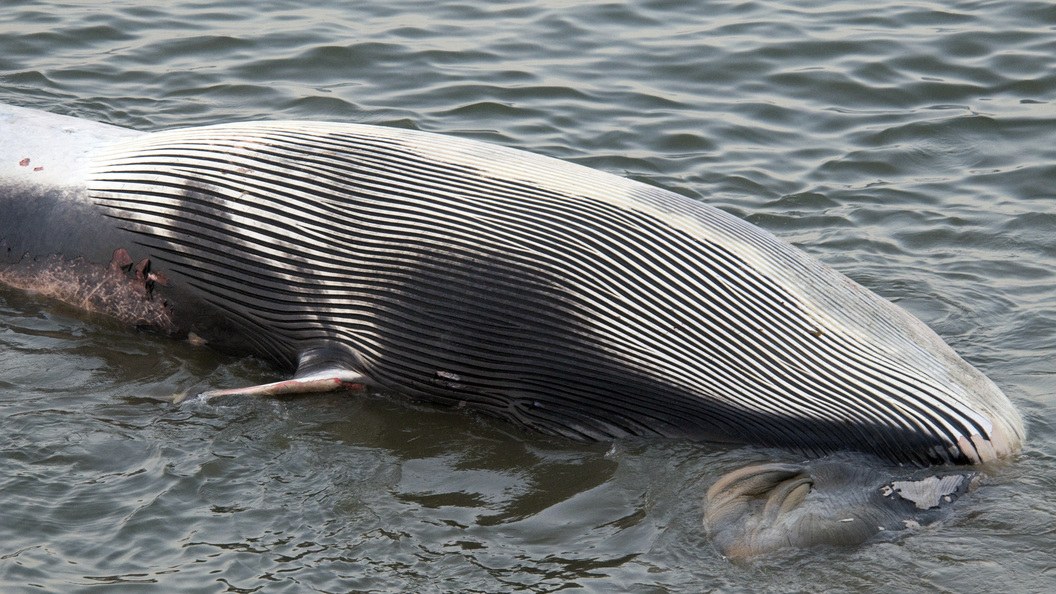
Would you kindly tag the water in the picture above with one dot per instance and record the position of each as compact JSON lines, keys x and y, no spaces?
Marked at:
{"x":912,"y":146}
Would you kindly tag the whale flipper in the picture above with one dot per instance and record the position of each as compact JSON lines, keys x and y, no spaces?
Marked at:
{"x":321,"y":382}
{"x":759,"y":509}
{"x":319,"y":370}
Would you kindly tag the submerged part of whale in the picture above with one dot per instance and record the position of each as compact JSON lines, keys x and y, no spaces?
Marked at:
{"x":759,"y":509}
{"x":558,"y":297}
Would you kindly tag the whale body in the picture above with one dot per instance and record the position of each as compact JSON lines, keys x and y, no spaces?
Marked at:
{"x":563,"y":299}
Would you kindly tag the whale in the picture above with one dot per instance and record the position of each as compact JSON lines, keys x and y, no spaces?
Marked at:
{"x":562,"y":299}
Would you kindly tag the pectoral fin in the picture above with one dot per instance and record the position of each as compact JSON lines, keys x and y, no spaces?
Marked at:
{"x":760,"y":509}
{"x":319,"y":370}
{"x":323,"y":381}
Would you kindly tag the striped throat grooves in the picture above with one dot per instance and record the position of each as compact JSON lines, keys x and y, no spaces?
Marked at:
{"x":561,"y":298}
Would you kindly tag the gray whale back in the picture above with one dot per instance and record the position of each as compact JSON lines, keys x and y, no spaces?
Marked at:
{"x":564,"y":299}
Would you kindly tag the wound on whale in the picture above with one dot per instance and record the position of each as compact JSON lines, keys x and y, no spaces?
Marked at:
{"x":559,"y":298}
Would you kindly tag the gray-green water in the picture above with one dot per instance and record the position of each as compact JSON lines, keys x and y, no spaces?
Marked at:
{"x":910,"y":145}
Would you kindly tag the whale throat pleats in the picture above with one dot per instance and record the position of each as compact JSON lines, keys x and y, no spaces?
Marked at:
{"x":564,"y":299}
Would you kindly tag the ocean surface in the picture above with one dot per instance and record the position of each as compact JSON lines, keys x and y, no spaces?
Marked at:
{"x":911,"y":145}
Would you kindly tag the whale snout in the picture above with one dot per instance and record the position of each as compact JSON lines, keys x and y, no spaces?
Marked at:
{"x":995,"y":429}
{"x":1003,"y":438}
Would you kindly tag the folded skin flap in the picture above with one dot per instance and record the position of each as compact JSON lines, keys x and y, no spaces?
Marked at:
{"x":760,"y":509}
